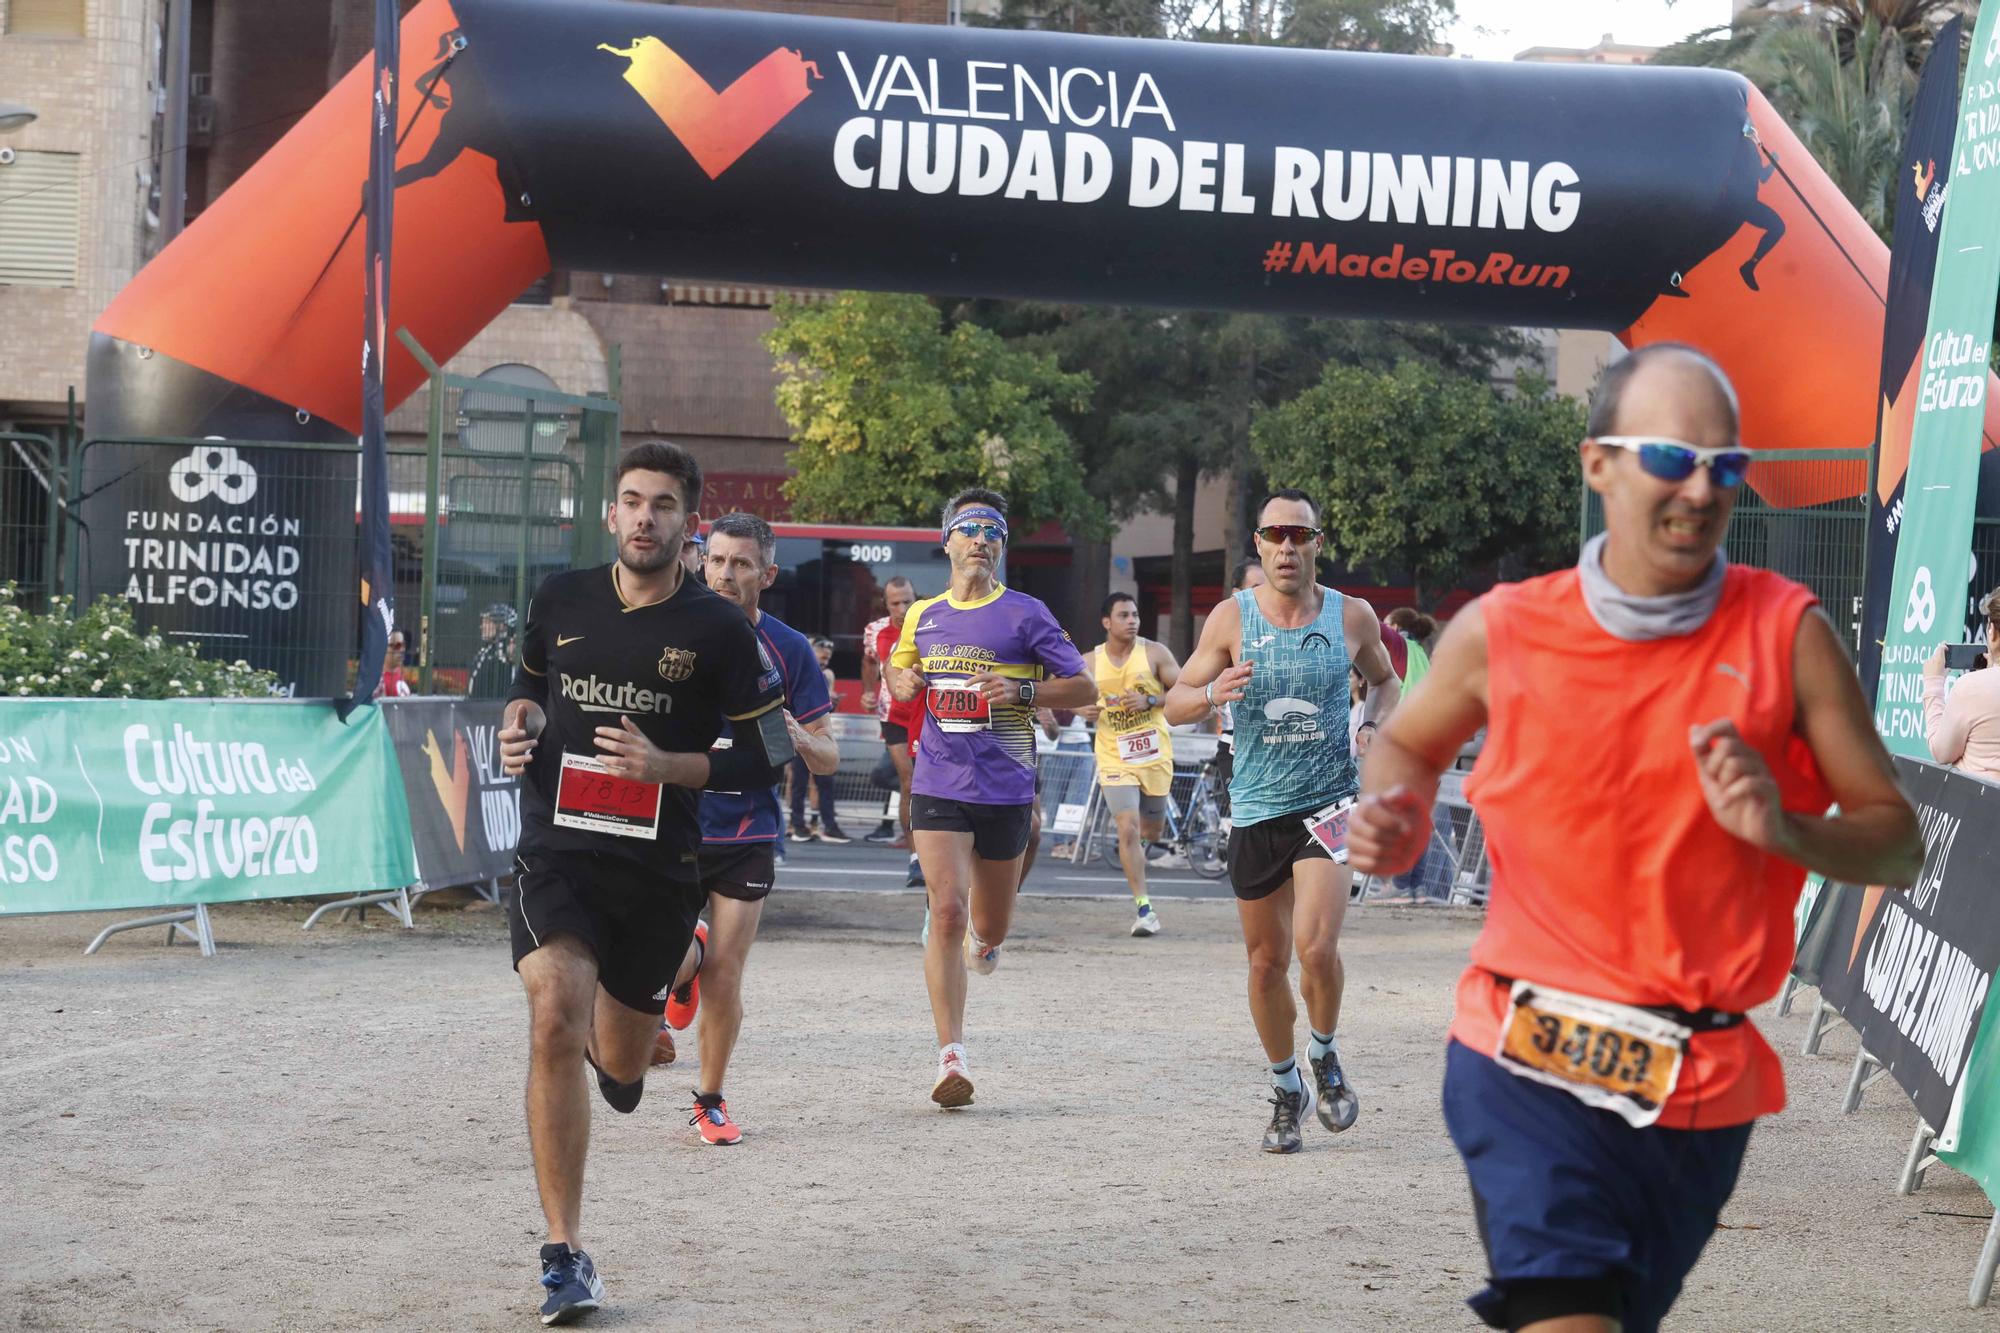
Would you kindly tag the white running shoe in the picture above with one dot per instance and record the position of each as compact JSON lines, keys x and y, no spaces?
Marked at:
{"x":953,"y":1088}
{"x":1147,"y":922}
{"x":980,"y":956}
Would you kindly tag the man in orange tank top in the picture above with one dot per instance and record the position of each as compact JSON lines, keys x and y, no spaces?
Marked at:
{"x":1665,"y":733}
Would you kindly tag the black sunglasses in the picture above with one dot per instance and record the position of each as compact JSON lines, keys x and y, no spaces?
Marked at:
{"x":1298,"y":534}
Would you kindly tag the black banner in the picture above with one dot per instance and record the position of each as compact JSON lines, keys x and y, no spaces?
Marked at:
{"x":378,"y":614}
{"x":235,"y":551}
{"x":1920,"y":193}
{"x":1082,"y":169}
{"x":465,"y":813}
{"x":1910,"y":970}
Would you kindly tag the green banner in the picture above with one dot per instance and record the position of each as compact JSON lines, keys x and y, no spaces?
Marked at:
{"x":1928,"y":604}
{"x":128,"y":804}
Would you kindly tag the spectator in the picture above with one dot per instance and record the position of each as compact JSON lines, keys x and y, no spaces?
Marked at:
{"x":1357,"y":690}
{"x":1964,"y":729}
{"x":826,"y":828}
{"x":492,"y":674}
{"x":1417,"y":630}
{"x":693,"y":550}
{"x":394,"y":684}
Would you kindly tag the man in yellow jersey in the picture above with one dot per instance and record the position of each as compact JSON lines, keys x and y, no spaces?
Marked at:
{"x":1135,"y":753}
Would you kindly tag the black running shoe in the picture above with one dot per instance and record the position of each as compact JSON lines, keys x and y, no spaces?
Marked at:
{"x":1339,"y":1107}
{"x":573,"y":1285}
{"x":1288,"y":1110}
{"x":620,"y":1097}
{"x":886,"y":831}
{"x":830,"y":833}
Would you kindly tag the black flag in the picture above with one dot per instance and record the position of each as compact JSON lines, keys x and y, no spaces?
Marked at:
{"x":378,"y":613}
{"x":1920,"y":191}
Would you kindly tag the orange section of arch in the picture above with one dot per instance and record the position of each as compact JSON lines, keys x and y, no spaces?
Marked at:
{"x":265,"y":288}
{"x":1805,"y":349}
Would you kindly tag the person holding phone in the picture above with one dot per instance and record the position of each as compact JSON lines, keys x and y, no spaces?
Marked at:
{"x":1963,"y":727}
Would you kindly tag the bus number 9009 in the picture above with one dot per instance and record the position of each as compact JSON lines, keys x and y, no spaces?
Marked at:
{"x":866,"y":554}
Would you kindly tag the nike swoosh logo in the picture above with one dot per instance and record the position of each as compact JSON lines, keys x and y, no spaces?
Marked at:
{"x":561,"y":642}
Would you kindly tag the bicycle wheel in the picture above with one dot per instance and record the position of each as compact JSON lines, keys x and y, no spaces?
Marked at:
{"x":1206,"y":841}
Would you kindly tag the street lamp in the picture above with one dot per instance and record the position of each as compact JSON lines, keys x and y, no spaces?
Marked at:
{"x":14,"y":116}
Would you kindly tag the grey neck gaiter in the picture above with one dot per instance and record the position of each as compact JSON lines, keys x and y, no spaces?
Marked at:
{"x":1637,"y":619}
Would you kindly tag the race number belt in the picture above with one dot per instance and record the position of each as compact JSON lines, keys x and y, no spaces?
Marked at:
{"x":1139,"y":747}
{"x":959,"y":708}
{"x":1618,"y":1057}
{"x":589,"y":796}
{"x":1328,"y":826}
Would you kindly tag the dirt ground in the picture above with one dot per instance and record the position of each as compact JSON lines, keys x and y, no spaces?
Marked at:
{"x":323,"y":1131}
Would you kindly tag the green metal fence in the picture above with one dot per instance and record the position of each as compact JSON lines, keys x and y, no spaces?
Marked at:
{"x":31,"y":514}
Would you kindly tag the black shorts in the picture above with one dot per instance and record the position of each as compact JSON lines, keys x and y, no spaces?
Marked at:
{"x":743,"y":871}
{"x":1261,"y":855}
{"x":636,"y":924}
{"x":999,"y":832}
{"x":895,"y":734}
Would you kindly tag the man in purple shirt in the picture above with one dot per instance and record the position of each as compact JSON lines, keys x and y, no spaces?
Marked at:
{"x":982,"y":657}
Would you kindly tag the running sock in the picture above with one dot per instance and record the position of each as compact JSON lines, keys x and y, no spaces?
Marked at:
{"x":1143,"y":903}
{"x":708,"y":1100}
{"x":1285,"y":1076}
{"x":1319,"y":1046}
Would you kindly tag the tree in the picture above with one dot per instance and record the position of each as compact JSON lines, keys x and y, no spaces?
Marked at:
{"x":1431,"y":471}
{"x":892,"y":409}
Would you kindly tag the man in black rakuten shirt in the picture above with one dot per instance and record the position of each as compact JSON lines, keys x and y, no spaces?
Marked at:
{"x":627,"y":673}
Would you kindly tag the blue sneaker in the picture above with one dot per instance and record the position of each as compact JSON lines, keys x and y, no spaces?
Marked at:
{"x":916,"y":879}
{"x":573,"y":1285}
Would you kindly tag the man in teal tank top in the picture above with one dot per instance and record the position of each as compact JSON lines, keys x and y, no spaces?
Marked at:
{"x":1279,"y":656}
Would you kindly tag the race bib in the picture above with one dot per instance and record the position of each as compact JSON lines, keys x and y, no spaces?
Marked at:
{"x":1604,"y":1054}
{"x":1139,"y":747}
{"x":1328,"y":826}
{"x":959,"y":708}
{"x":588,"y":796}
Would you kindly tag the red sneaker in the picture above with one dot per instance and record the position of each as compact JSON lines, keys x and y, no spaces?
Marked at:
{"x":681,"y":1005}
{"x":663,"y":1048}
{"x":711,"y":1121}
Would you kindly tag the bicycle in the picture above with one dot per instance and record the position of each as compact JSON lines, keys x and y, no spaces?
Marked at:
{"x":1194,"y":833}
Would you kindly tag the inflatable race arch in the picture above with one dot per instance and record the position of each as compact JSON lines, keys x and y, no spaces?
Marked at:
{"x":593,"y":134}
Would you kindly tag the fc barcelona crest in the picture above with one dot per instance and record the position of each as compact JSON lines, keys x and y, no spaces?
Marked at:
{"x":677,"y":664}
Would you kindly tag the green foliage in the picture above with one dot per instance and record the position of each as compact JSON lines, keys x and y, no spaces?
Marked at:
{"x":1843,"y":75}
{"x":892,"y":409}
{"x":100,"y":654}
{"x":1404,"y":26}
{"x":1430,"y":471}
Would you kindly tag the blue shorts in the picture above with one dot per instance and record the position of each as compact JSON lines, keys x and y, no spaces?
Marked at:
{"x":1576,"y":1208}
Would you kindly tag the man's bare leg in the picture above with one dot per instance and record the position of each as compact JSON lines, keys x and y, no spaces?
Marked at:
{"x":1034,"y":843}
{"x":732,"y":928}
{"x":1321,"y":904}
{"x":996,"y":886}
{"x":560,"y":979}
{"x":1267,"y":939}
{"x":947,"y":862}
{"x":1132,"y":853}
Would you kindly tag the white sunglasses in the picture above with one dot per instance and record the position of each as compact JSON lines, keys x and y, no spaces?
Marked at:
{"x":1676,"y":460}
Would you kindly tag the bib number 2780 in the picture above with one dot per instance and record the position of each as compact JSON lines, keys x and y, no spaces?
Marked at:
{"x":959,"y":708}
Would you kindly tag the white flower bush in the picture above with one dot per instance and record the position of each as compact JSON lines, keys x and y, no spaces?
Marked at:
{"x":100,"y":652}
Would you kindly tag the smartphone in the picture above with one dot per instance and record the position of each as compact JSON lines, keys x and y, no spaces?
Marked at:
{"x":1964,"y":656}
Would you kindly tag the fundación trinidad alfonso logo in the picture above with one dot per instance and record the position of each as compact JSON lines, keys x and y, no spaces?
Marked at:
{"x":716,"y":127}
{"x":216,"y":471}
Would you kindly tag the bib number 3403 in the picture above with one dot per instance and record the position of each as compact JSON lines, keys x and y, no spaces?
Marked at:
{"x":1613,"y":1056}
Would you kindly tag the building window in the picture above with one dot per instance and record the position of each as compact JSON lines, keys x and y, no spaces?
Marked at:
{"x":40,"y":216}
{"x":45,"y":18}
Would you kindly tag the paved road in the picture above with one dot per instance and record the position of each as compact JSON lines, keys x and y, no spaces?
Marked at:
{"x":862,"y":866}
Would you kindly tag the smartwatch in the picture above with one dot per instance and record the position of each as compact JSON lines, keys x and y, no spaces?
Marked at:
{"x":1027,"y":688}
